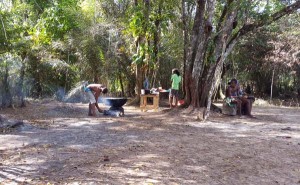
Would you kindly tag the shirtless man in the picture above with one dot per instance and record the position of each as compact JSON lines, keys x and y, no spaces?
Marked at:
{"x":93,"y":92}
{"x":234,"y":93}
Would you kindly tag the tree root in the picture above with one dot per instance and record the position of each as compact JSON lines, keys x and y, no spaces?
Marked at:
{"x":200,"y":113}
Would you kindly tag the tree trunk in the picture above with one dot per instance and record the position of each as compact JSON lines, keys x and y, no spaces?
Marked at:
{"x":196,"y":68}
{"x":20,"y":90}
{"x":36,"y":72}
{"x":191,"y":75}
{"x":39,"y":88}
{"x":96,"y":77}
{"x":156,"y":44}
{"x":139,"y":79}
{"x":141,"y":41}
{"x":6,"y":97}
{"x":272,"y":82}
{"x":219,"y":93}
{"x":4,"y":30}
{"x":121,"y":83}
{"x":185,"y":40}
{"x":66,"y":75}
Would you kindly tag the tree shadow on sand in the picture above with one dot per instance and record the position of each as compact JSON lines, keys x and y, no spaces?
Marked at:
{"x":162,"y":148}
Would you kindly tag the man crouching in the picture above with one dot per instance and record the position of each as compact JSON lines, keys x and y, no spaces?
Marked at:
{"x":93,"y":92}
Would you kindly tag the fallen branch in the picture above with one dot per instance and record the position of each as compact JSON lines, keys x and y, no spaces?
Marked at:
{"x":6,"y":124}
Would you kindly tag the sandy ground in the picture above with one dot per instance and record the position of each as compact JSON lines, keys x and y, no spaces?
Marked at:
{"x":61,"y":145}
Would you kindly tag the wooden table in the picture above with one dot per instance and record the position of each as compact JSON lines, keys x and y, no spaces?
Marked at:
{"x":144,"y":104}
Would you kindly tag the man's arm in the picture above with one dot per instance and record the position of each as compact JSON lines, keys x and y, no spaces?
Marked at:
{"x":97,"y":94}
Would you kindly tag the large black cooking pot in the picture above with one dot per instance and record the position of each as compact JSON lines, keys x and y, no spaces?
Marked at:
{"x":114,"y":102}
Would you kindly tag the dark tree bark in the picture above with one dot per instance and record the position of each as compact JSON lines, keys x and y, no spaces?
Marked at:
{"x":139,"y":71}
{"x":195,"y":64}
{"x":96,"y":78}
{"x":139,"y":79}
{"x":121,"y":83}
{"x":6,"y":94}
{"x":3,"y":27}
{"x":35,"y":70}
{"x":156,"y":44}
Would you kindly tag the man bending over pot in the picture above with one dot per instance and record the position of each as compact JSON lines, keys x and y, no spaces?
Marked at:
{"x":93,"y":92}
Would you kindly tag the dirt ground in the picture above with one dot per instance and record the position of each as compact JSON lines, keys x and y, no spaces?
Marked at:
{"x":60,"y":144}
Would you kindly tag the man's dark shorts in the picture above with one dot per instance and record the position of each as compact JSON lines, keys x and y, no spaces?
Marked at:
{"x":174,"y":93}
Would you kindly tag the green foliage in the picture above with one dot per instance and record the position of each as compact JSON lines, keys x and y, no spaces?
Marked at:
{"x":63,"y":41}
{"x":270,"y":48}
{"x":56,"y":21}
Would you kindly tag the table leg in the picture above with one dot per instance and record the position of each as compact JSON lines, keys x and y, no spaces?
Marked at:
{"x":156,"y":103}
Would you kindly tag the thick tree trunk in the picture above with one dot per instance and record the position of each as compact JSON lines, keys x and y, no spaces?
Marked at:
{"x":191,"y":79}
{"x":196,"y":57}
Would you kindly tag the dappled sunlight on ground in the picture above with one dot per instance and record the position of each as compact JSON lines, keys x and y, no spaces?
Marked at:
{"x":64,"y":145}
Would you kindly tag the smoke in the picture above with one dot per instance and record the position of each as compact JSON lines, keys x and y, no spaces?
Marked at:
{"x":9,"y":76}
{"x":77,"y":94}
{"x":60,"y":94}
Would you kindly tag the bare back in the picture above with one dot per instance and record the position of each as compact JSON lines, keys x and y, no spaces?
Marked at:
{"x":95,"y":87}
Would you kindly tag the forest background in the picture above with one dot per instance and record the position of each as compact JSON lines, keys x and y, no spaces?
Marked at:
{"x":48,"y":47}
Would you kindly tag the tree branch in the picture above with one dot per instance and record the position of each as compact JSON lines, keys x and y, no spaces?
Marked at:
{"x":274,"y":17}
{"x":4,"y":30}
{"x":224,"y":13}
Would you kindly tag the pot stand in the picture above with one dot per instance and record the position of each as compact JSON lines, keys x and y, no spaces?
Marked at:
{"x":114,"y":111}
